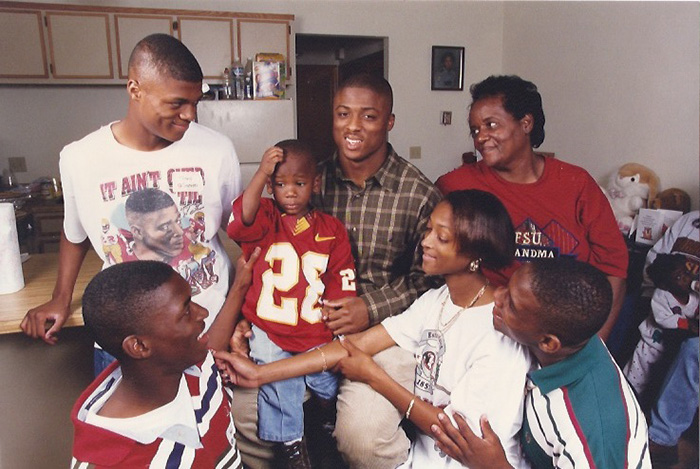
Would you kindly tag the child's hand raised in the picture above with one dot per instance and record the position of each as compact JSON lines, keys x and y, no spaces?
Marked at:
{"x":270,"y":158}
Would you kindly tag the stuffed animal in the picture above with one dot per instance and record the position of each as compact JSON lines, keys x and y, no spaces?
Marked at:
{"x":671,"y":199}
{"x":630,"y":189}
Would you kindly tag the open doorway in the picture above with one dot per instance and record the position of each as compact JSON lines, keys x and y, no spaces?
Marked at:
{"x":321,"y":63}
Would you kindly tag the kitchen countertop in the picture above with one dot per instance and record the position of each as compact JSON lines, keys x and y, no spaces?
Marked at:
{"x":39,"y":280}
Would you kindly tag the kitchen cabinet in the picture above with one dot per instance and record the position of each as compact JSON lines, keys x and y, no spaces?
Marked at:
{"x":47,"y":43}
{"x":48,"y":224}
{"x":130,"y":29}
{"x":72,"y":56}
{"x":41,"y":382}
{"x":23,"y":49}
{"x":210,"y":40}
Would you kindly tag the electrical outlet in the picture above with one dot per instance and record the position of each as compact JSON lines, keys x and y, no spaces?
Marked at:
{"x":18,"y":164}
{"x":414,"y":153}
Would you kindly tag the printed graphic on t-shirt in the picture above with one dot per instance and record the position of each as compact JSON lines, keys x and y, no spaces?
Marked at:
{"x":534,"y":242}
{"x":160,"y":217}
{"x":688,"y":247}
{"x":431,"y":349}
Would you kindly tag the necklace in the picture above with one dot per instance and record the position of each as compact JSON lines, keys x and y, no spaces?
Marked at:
{"x":444,"y":327}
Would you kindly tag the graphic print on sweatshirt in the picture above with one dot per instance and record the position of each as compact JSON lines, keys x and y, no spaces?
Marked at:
{"x":535,"y":242}
{"x":160,"y":217}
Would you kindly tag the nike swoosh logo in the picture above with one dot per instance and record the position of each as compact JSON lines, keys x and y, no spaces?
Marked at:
{"x":320,"y":239}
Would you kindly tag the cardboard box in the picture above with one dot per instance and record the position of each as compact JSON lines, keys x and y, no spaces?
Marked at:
{"x":268,"y":80}
{"x":651,"y":224}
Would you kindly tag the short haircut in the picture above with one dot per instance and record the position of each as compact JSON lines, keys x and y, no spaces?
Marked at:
{"x":575,"y":298}
{"x":300,"y":150}
{"x":520,"y":97}
{"x":660,"y":271}
{"x":167,"y":56}
{"x":147,"y":200}
{"x":372,"y":82}
{"x":482,"y":227}
{"x":117,"y":302}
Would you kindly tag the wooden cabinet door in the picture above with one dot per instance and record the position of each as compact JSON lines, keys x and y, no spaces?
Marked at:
{"x":263,"y":36}
{"x":130,"y":29}
{"x":80,"y":45}
{"x":23,"y":54}
{"x":211,"y":42}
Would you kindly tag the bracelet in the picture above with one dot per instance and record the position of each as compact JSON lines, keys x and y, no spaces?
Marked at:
{"x":410,"y":407}
{"x":325,"y":363}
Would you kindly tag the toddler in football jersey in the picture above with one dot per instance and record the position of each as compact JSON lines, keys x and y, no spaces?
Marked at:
{"x":306,"y":258}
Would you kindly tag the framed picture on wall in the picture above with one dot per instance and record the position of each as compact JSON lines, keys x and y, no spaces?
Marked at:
{"x":447,"y":68}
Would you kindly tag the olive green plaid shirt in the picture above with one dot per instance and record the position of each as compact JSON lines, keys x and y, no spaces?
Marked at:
{"x":385,"y":222}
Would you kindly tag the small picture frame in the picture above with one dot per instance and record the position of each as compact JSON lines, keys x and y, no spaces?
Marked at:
{"x":447,"y":68}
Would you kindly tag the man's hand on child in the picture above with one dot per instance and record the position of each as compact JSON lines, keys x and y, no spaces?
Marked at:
{"x":346,"y":315}
{"x":239,"y":340}
{"x":464,"y":446}
{"x":244,"y":271}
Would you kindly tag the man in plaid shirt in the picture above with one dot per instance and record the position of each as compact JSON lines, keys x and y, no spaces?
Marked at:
{"x":384,"y":202}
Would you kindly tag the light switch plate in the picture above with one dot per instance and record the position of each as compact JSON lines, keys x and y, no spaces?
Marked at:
{"x":446,"y":118}
{"x":414,"y":153}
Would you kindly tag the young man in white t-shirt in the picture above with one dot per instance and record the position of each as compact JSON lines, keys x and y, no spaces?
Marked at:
{"x":156,"y":147}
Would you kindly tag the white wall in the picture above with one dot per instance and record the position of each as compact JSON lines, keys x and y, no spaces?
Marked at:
{"x":36,"y":122}
{"x":620,"y":82}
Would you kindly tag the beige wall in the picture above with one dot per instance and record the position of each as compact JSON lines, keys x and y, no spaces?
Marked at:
{"x":620,"y":82}
{"x":619,"y":79}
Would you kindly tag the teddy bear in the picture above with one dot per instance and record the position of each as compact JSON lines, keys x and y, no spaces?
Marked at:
{"x":629,"y":190}
{"x":671,"y":199}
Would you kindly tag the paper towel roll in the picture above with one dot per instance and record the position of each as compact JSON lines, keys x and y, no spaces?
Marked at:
{"x":11,"y":277}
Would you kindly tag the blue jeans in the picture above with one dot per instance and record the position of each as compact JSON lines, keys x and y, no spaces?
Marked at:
{"x":101,"y":360}
{"x":678,"y":400}
{"x":281,"y":404}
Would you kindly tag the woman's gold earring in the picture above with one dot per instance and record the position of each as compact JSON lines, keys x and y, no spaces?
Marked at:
{"x":474,"y":265}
